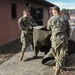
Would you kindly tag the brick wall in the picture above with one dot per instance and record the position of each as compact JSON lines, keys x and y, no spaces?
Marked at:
{"x":9,"y":30}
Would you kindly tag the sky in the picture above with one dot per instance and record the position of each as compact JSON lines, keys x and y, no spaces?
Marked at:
{"x":68,"y":4}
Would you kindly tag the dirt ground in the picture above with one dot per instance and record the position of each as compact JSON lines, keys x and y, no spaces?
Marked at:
{"x":9,"y":50}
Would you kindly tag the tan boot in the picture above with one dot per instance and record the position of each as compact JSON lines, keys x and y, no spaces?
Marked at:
{"x":57,"y":70}
{"x":21,"y":57}
{"x":35,"y":57}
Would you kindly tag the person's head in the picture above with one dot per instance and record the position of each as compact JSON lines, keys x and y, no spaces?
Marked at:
{"x":55,"y":10}
{"x":25,"y":13}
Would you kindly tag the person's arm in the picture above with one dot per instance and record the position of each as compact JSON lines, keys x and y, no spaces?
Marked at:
{"x":68,"y":29}
{"x":20,"y":24}
{"x":49,"y":25}
{"x":33,"y":23}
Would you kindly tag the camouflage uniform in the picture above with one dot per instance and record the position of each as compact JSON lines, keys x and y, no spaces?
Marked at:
{"x":26,"y":33}
{"x":60,"y":33}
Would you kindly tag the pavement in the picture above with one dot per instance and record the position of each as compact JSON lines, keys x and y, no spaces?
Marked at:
{"x":31,"y":66}
{"x":28,"y":66}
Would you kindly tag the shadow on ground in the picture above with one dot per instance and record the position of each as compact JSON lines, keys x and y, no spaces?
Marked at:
{"x":29,"y":59}
{"x":9,"y":50}
{"x":12,"y":47}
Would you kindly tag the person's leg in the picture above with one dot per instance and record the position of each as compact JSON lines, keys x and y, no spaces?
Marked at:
{"x":32,"y":48}
{"x":57,"y":70}
{"x":36,"y":51}
{"x":22,"y":52}
{"x":60,"y":58}
{"x":23,"y":49}
{"x":30,"y":40}
{"x":57,"y":65}
{"x":56,"y":56}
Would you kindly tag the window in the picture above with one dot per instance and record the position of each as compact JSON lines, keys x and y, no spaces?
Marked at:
{"x":36,"y":13}
{"x":13,"y":11}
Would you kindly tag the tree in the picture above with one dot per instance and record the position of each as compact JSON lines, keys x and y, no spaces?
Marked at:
{"x":65,"y":10}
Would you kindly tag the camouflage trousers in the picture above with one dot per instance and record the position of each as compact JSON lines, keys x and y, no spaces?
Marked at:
{"x":60,"y":52}
{"x":26,"y":40}
{"x":57,"y":54}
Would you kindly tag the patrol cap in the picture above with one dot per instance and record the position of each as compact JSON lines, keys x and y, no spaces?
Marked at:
{"x":56,"y":8}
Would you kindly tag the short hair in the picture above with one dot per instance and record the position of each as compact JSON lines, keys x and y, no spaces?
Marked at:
{"x":56,"y":8}
{"x":26,"y":10}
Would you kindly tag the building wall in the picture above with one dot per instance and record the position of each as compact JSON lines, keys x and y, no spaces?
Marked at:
{"x":45,"y":12}
{"x":8,"y":26}
{"x":9,"y":30}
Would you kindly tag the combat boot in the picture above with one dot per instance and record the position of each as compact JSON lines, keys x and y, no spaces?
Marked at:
{"x":21,"y":57}
{"x":57,"y":70}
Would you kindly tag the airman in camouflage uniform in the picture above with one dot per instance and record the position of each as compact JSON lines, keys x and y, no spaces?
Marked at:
{"x":60,"y":34}
{"x":26,"y":23}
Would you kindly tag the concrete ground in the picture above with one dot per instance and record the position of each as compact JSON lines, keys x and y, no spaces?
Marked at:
{"x":27,"y":67}
{"x":33,"y":66}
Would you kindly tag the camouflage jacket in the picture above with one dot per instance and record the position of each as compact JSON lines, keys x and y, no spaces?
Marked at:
{"x":59,"y":26}
{"x":25,"y":23}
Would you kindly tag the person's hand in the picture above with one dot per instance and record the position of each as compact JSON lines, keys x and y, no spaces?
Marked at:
{"x":30,"y":27}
